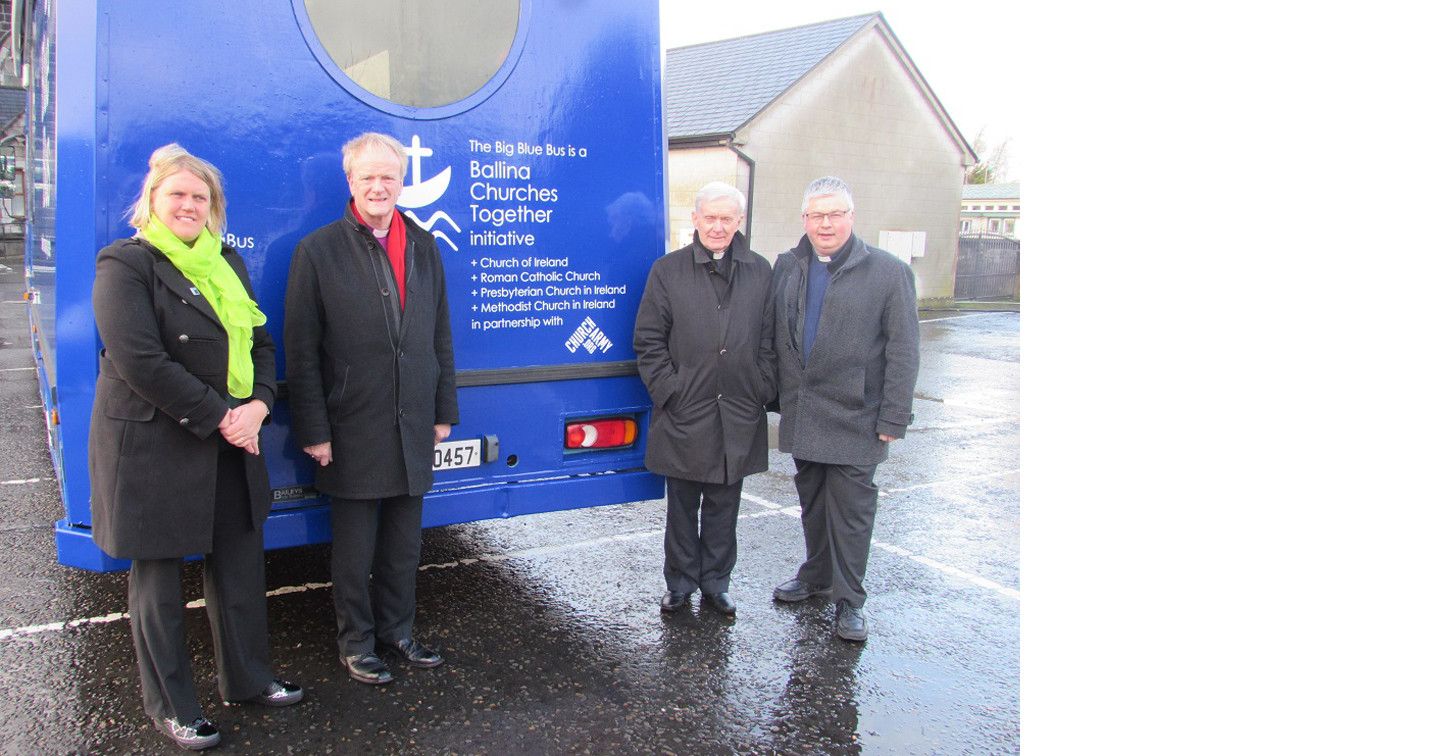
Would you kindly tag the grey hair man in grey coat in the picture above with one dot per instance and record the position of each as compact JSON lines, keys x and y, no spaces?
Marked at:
{"x":704,"y":347}
{"x":847,"y":338}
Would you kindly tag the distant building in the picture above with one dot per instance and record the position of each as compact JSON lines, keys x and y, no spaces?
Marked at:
{"x":771,"y":112}
{"x":12,"y":134}
{"x":991,"y":209}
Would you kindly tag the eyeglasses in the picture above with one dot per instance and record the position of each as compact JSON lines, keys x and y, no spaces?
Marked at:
{"x":834,"y":217}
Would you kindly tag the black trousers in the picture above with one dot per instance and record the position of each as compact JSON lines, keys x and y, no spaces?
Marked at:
{"x":234,"y":600}
{"x":837,"y":511}
{"x":700,"y":535}
{"x":379,"y":539}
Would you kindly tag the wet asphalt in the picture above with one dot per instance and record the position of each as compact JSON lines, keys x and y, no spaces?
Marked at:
{"x":550,"y":623}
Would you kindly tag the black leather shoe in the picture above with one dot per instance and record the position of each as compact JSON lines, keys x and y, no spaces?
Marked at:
{"x":850,"y":622}
{"x":367,"y":668}
{"x":277,"y":693}
{"x":196,"y":736}
{"x":673,"y":600}
{"x":414,"y":653}
{"x":798,"y":590}
{"x":721,"y":601}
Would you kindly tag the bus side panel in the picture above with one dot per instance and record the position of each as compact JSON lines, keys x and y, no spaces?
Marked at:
{"x":544,"y":190}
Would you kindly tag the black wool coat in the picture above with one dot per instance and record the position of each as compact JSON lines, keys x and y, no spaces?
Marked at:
{"x":709,"y":369}
{"x":363,"y":375}
{"x":161,"y":394}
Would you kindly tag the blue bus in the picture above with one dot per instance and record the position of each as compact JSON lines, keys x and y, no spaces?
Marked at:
{"x":534,"y":131}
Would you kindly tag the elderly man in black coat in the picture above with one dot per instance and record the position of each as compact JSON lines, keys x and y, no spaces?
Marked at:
{"x":371,"y":373}
{"x":703,"y":341}
{"x":847,"y":336}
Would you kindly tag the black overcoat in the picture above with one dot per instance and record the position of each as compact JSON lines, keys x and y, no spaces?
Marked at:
{"x":709,"y":369}
{"x":362,"y":375}
{"x":159,"y":400}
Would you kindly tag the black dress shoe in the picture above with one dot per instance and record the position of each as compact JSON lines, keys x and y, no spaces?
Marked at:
{"x":721,"y":601}
{"x":367,"y":668}
{"x":798,"y":590}
{"x":850,"y":622}
{"x":195,"y":736}
{"x":673,"y":600}
{"x":414,"y":652}
{"x":277,"y":693}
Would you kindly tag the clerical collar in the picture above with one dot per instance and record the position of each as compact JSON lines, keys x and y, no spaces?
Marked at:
{"x":823,"y":258}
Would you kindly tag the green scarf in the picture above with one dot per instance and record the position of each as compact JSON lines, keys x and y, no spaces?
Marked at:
{"x":214,"y":278}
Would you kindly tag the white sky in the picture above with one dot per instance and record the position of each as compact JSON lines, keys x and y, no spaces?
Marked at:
{"x":965,"y":56}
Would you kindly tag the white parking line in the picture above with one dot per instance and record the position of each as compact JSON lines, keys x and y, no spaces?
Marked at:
{"x":284,"y":590}
{"x":794,"y":511}
{"x":950,"y":481}
{"x":25,"y":482}
{"x":33,"y":629}
{"x":771,"y":509}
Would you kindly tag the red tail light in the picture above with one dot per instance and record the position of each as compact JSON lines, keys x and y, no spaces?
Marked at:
{"x":600,"y":433}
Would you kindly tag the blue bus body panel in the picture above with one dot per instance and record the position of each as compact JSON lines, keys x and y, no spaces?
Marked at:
{"x":544,"y":189}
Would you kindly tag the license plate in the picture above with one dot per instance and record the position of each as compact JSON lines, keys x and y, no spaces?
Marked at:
{"x":452,"y":455}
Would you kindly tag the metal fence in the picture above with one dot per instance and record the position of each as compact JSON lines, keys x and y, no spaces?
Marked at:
{"x":987,"y":267}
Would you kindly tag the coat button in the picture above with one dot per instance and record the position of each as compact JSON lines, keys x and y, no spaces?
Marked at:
{"x":724,"y":352}
{"x":719,"y":396}
{"x":184,"y":421}
{"x":184,"y":339}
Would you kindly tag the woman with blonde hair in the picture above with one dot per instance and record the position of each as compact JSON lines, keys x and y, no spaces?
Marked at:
{"x":187,"y":377}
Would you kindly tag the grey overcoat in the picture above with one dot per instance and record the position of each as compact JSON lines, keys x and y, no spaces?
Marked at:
{"x":709,"y":369}
{"x":860,"y":379}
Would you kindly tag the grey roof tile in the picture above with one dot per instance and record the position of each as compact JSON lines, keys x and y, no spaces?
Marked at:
{"x":715,"y":87}
{"x":991,"y":191}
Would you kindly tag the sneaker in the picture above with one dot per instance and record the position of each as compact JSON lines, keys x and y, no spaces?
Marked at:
{"x":277,"y":693}
{"x":196,"y":736}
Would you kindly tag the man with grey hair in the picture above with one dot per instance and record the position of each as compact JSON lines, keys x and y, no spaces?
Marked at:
{"x":847,"y":338}
{"x":704,"y":347}
{"x":371,"y":373}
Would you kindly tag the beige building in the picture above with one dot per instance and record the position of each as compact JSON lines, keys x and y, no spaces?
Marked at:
{"x":991,"y":209}
{"x":771,"y":112}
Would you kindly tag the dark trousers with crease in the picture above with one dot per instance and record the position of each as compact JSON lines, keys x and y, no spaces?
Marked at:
{"x":700,"y":545}
{"x":373,"y":561}
{"x":234,"y":600}
{"x":837,"y":511}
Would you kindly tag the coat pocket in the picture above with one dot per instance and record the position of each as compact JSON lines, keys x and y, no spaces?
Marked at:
{"x":203,"y":356}
{"x":337,"y":375}
{"x":132,"y":413}
{"x":128,"y":406}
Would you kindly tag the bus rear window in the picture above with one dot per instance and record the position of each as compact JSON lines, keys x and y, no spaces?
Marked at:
{"x":419,"y":53}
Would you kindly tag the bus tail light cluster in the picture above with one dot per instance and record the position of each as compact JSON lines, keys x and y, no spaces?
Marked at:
{"x":600,"y":433}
